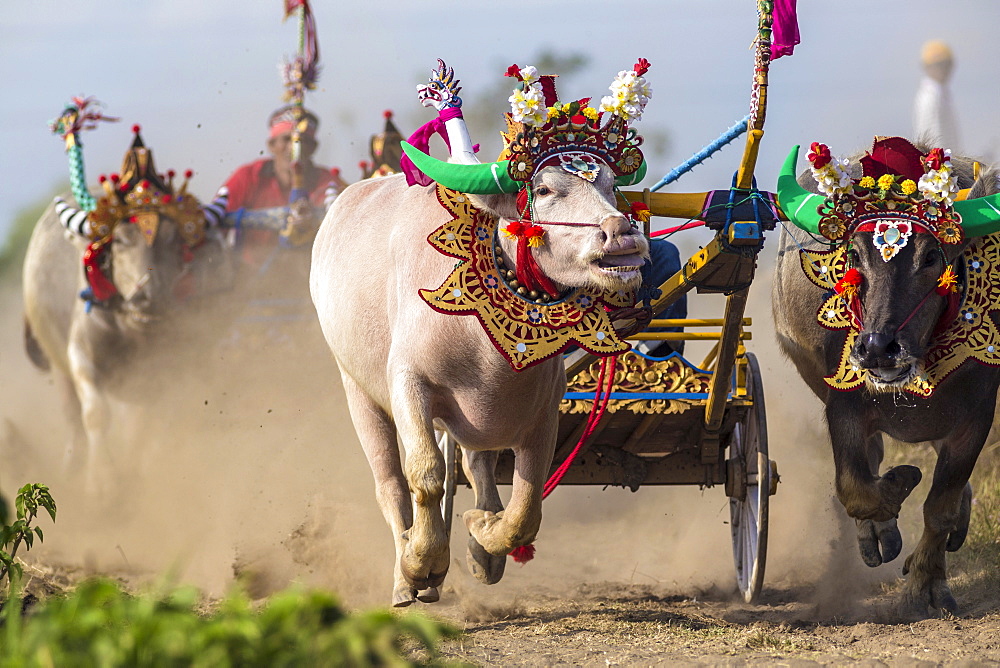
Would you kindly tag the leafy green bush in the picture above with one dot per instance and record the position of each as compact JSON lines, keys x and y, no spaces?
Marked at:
{"x":101,"y":625}
{"x":29,"y":500}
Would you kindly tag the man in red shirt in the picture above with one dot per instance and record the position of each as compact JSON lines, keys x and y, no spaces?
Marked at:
{"x":267,"y":183}
{"x":272,"y":281}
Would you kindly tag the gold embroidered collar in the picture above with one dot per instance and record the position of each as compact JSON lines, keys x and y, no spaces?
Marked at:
{"x":973,"y":335}
{"x":525,"y":331}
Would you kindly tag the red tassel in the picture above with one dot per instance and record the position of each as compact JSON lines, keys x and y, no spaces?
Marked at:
{"x":522,"y":202}
{"x":850,"y":283}
{"x":540,"y":278}
{"x":101,"y":285}
{"x":523,"y":554}
{"x":524,"y":274}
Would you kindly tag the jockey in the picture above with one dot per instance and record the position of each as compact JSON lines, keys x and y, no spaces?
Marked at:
{"x":664,"y":261}
{"x":267,"y":182}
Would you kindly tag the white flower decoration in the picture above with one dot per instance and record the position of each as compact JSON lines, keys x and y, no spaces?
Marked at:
{"x":529,"y":74}
{"x":833,"y":177}
{"x":528,"y":105}
{"x":629,"y":95}
{"x":939,"y":185}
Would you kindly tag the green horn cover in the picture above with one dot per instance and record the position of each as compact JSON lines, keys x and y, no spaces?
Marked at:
{"x":633,"y":178}
{"x":798,"y":204}
{"x":980,"y":216}
{"x":490,"y":178}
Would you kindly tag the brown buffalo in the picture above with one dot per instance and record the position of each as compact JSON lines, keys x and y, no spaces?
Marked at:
{"x":900,"y":252}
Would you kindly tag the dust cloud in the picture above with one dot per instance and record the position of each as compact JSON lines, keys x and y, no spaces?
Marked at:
{"x":236,"y":457}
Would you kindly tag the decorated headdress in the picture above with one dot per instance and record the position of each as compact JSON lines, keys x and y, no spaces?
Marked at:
{"x":138,"y":195}
{"x":901,"y":191}
{"x":542,"y":131}
{"x":385,"y":149}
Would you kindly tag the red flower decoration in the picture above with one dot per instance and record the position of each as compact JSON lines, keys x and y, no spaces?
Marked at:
{"x":935,"y":158}
{"x":819,"y":155}
{"x":640,"y":212}
{"x":641,"y":67}
{"x":514,"y":71}
{"x":850,"y":283}
{"x":514,"y":228}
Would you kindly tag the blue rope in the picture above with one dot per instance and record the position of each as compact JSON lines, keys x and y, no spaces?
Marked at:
{"x":704,"y":154}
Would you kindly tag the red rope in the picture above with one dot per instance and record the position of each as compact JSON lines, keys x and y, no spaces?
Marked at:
{"x":917,"y":308}
{"x":690,"y":225}
{"x":605,"y":383}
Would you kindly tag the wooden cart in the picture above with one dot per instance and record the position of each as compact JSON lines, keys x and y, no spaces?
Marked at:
{"x":668,"y":421}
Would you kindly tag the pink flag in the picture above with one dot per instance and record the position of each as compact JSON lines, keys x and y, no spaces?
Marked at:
{"x":785,"y":29}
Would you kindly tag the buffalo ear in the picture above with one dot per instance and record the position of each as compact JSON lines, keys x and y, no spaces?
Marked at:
{"x":503,"y":205}
{"x":988,"y":183}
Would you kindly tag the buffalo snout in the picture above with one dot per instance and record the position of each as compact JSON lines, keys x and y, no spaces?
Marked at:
{"x":875,"y":350}
{"x":619,"y":235}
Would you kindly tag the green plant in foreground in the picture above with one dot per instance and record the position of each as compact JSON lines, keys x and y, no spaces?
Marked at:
{"x":30,"y":499}
{"x":101,"y":625}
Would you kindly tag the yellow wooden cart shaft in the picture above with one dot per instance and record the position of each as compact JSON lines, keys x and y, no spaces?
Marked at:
{"x":668,"y":205}
{"x":684,"y":336}
{"x":693,"y":322}
{"x":744,"y":176}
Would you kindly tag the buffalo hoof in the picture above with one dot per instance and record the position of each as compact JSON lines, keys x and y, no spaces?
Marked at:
{"x":957,"y":537}
{"x":879,"y":542}
{"x":429,"y":595}
{"x":430,"y":581}
{"x":918,"y":603}
{"x":488,"y":568}
{"x":897,"y":483}
{"x":403,"y":596}
{"x":926,"y":587}
{"x":481,"y":524}
{"x":425,"y":577}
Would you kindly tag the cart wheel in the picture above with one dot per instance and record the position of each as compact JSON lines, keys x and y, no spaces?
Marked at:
{"x":749,"y":477}
{"x":449,"y":448}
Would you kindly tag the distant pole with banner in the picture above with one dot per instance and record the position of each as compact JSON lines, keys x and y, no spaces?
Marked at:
{"x":299,"y":76}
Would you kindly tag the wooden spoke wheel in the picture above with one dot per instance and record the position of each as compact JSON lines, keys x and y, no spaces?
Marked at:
{"x":449,"y":448}
{"x":750,"y":481}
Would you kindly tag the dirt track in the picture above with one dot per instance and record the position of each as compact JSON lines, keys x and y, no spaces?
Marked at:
{"x":611,"y":624}
{"x":253,"y":467}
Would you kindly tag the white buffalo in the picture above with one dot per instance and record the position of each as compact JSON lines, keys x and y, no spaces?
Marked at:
{"x":408,"y":369}
{"x":96,"y":347}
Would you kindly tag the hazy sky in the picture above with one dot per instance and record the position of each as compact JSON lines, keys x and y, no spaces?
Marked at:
{"x":201,"y":76}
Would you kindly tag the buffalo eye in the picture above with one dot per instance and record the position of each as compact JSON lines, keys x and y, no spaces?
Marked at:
{"x":930,"y":259}
{"x":542,"y":190}
{"x":853,"y":257}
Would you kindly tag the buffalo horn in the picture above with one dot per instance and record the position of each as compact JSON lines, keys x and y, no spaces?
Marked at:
{"x":74,"y":220}
{"x":633,"y":178}
{"x":489,"y":178}
{"x":797,"y":203}
{"x":980,"y":216}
